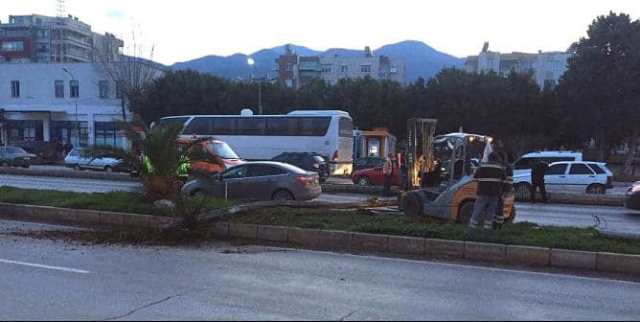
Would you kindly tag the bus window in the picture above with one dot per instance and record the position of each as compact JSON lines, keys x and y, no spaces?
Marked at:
{"x":251,"y":126}
{"x":314,"y":126}
{"x":173,"y":120}
{"x":284,"y":126}
{"x":224,"y":125}
{"x":200,"y":126}
{"x":345,"y":127}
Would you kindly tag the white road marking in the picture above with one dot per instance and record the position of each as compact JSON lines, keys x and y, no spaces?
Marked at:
{"x":56,"y":268}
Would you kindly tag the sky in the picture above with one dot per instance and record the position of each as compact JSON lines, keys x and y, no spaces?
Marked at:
{"x":187,"y":29}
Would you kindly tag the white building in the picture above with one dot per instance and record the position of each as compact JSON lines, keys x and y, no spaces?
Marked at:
{"x":43,"y":102}
{"x":547,"y":67}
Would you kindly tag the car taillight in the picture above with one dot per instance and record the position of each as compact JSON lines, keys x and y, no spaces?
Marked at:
{"x":335,"y":156}
{"x":305,"y":180}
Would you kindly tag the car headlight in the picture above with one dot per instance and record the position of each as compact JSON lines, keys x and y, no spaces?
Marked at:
{"x":635,"y":188}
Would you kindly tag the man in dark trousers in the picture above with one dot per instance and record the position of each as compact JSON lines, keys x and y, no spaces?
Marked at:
{"x":537,"y":180}
{"x":490,"y":177}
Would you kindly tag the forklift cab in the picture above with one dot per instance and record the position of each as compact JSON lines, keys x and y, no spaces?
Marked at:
{"x":447,"y":190}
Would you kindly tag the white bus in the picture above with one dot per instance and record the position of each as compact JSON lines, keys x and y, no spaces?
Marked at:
{"x":263,"y":137}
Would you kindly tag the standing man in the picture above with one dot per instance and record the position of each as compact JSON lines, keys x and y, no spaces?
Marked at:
{"x":537,"y":180}
{"x":490,"y":177}
{"x":387,"y":171}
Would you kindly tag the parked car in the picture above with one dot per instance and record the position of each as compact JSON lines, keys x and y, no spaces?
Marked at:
{"x":258,"y":181}
{"x":375,"y":177}
{"x":367,"y":163}
{"x":307,"y":161}
{"x":210,"y":151}
{"x":632,"y":197}
{"x":589,"y":177}
{"x":524,"y":164}
{"x":79,"y":161}
{"x":15,"y":157}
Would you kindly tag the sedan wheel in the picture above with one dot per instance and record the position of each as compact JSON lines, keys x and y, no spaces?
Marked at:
{"x":522,"y":191}
{"x":282,"y":195}
{"x":596,"y":189}
{"x":108,"y":169}
{"x":364,"y":181}
{"x":76,"y":167}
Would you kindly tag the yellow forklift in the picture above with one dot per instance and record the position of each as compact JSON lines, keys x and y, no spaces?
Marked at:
{"x":441,"y":173}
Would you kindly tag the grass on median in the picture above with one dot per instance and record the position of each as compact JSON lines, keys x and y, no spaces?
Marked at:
{"x":128,"y":202}
{"x":586,"y":239}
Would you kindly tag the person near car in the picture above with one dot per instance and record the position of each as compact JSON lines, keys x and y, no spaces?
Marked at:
{"x":507,"y":187}
{"x":404,"y":174}
{"x":537,"y":180}
{"x":387,"y":172}
{"x":490,"y":177}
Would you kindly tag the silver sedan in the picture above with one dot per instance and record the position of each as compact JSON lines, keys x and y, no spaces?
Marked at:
{"x":258,"y":181}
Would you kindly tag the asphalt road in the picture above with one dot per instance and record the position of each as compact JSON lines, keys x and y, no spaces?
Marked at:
{"x":49,"y":280}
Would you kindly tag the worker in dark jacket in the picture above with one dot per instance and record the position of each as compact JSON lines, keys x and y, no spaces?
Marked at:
{"x":507,"y":187}
{"x":490,"y":177}
{"x":537,"y":180}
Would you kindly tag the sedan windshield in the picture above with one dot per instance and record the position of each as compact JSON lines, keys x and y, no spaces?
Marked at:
{"x":222,"y":150}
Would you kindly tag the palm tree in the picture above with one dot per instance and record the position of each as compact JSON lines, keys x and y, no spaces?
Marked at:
{"x":156,"y":155}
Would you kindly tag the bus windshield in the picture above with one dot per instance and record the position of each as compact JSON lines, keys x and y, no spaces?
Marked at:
{"x":222,"y":150}
{"x":172,"y":121}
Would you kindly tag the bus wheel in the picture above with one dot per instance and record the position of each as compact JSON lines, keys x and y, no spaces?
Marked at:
{"x":413,"y":205}
{"x":465,"y":211}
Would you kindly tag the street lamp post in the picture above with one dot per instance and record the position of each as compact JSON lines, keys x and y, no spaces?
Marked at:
{"x":77,"y":124}
{"x":252,"y":63}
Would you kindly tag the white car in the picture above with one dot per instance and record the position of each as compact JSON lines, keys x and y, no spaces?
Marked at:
{"x":75,"y":159}
{"x":570,"y":176}
{"x":524,"y":164}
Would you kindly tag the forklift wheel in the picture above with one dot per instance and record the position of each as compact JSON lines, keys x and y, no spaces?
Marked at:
{"x":465,"y":211}
{"x":413,"y":204}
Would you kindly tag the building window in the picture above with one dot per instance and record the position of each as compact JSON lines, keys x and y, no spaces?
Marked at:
{"x":103,"y":87}
{"x":344,"y":69}
{"x":15,"y":88}
{"x":59,"y":89}
{"x":74,"y":87}
{"x":365,"y":68}
{"x":76,"y":133}
{"x":13,"y":46}
{"x":326,"y":68}
{"x":106,"y":133}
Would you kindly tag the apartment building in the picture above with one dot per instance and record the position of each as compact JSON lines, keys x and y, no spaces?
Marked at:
{"x":547,"y":67}
{"x":296,"y":71}
{"x":44,"y":39}
{"x":70,"y":102}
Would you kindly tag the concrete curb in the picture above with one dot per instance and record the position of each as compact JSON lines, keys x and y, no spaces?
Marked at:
{"x":82,"y":217}
{"x":95,"y":175}
{"x":423,"y":248}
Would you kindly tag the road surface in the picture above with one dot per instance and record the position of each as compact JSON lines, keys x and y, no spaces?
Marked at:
{"x":42,"y":279}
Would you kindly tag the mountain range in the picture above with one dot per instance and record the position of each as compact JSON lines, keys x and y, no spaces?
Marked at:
{"x":420,"y":59}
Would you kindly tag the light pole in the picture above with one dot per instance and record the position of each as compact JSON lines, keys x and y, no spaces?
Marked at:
{"x":252,"y":63}
{"x":73,"y":78}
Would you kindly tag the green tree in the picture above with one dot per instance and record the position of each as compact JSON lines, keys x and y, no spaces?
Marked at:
{"x":600,"y":88}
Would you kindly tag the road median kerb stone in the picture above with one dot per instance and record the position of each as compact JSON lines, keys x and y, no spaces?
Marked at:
{"x":527,"y":255}
{"x":369,"y":242}
{"x":244,"y":231}
{"x":618,"y":263}
{"x":573,"y":259}
{"x":272,"y":233}
{"x":406,"y":245}
{"x":484,"y":252}
{"x":440,"y":248}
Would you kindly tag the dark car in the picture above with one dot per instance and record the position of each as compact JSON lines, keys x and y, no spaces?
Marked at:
{"x":367,"y":163}
{"x":257,"y":181}
{"x":632,"y":198}
{"x":307,"y":161}
{"x":15,"y":157}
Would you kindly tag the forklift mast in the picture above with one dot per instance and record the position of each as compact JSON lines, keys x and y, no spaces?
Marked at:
{"x":419,"y":155}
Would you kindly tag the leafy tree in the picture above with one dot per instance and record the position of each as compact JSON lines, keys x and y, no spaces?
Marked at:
{"x":600,"y":88}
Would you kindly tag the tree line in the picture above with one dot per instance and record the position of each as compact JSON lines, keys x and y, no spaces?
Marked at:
{"x":597,"y":99}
